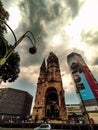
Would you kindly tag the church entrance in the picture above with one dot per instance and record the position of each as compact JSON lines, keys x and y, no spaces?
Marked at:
{"x":52,"y":104}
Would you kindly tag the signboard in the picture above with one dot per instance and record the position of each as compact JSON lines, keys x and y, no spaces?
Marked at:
{"x":92,"y":83}
{"x":86,"y":93}
{"x":74,"y":109}
{"x":92,"y":108}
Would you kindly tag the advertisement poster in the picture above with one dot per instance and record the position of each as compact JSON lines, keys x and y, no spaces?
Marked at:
{"x":86,"y":93}
{"x":91,"y":82}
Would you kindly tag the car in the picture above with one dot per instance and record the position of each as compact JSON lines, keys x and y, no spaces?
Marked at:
{"x":43,"y":127}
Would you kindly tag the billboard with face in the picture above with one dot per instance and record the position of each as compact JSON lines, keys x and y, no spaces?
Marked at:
{"x":75,"y":58}
{"x":77,"y":80}
{"x":75,"y":62}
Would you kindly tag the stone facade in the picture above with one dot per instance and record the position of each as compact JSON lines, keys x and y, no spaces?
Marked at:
{"x":49,"y":101}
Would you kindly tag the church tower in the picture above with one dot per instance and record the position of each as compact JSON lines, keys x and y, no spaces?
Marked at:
{"x":49,"y":100}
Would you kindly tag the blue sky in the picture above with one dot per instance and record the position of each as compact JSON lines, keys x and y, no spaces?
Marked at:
{"x":61,"y":26}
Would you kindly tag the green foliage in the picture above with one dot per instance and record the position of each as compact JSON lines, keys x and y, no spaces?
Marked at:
{"x":10,"y":70}
{"x":4,"y":15}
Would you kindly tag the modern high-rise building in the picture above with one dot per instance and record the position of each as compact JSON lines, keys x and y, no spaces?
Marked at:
{"x":50,"y":101}
{"x":86,"y":85}
{"x":15,"y":103}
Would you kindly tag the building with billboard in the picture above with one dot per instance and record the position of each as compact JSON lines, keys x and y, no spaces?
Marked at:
{"x":86,"y":85}
{"x":15,"y":103}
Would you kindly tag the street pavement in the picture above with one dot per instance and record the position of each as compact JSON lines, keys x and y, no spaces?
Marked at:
{"x":26,"y":129}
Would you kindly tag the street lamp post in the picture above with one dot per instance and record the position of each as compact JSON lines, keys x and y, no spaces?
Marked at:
{"x":32,"y":50}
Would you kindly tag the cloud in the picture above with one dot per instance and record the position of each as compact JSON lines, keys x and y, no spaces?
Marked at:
{"x":10,"y":3}
{"x":90,"y":37}
{"x":25,"y":86}
{"x":46,"y":20}
{"x":68,"y":83}
{"x":61,"y":26}
{"x":96,"y":61}
{"x":4,"y":85}
{"x":30,"y":73}
{"x":74,"y":7}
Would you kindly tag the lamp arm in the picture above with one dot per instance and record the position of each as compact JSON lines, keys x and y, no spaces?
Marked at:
{"x":10,"y":29}
{"x":10,"y":51}
{"x":19,"y":41}
{"x":32,"y":36}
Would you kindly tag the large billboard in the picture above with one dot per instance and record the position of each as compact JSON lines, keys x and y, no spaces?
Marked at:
{"x":86,"y":93}
{"x":91,"y":81}
{"x":75,"y":62}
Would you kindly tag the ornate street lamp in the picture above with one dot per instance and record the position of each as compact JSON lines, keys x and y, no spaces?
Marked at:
{"x":32,"y":50}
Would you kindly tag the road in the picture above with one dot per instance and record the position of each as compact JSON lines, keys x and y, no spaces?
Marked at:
{"x":26,"y":129}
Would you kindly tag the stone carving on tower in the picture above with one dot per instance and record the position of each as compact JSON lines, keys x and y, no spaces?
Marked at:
{"x":49,"y":100}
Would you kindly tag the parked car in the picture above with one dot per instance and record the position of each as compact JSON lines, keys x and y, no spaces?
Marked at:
{"x":43,"y":127}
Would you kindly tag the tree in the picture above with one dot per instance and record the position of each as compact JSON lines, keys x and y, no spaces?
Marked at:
{"x":10,"y":70}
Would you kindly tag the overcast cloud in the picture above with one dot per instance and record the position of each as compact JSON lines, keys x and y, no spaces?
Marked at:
{"x":61,"y":26}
